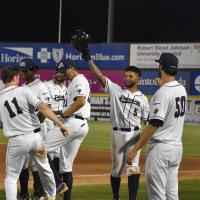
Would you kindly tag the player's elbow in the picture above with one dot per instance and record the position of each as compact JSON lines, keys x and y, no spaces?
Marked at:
{"x":80,"y":101}
{"x":42,"y":107}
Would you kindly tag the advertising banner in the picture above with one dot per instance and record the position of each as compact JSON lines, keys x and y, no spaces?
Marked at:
{"x":195,"y":83}
{"x":192,"y":115}
{"x":107,"y":56}
{"x":148,"y":86}
{"x":100,"y":109}
{"x":144,"y":55}
{"x":147,"y":83}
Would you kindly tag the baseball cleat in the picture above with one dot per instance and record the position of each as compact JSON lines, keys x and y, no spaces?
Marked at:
{"x":61,"y":189}
{"x":23,"y":197}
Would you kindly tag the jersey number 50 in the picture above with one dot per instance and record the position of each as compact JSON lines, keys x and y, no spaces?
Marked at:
{"x":180,"y":106}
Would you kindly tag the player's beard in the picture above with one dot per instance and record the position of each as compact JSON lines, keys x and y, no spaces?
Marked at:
{"x":130,"y":85}
{"x":159,"y":73}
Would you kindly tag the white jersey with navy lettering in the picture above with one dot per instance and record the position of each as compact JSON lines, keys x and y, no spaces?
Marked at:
{"x":79,"y":86}
{"x":57,"y":94}
{"x":40,"y":90}
{"x":168,"y":104}
{"x":58,"y":99}
{"x":127,"y":109}
{"x":17,"y":110}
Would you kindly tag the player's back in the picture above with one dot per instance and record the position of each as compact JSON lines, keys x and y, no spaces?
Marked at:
{"x":79,"y":86}
{"x":16,"y":112}
{"x":40,"y":90}
{"x":172,"y":112}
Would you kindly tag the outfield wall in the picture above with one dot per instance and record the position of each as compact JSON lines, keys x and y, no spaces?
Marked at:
{"x":100,"y":108}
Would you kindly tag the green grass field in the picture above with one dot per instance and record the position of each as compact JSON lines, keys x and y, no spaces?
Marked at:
{"x":188,"y":190}
{"x":99,"y":137}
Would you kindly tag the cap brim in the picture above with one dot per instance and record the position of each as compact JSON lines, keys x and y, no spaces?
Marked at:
{"x":158,"y":61}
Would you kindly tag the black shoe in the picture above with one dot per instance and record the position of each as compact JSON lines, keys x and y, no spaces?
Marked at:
{"x":23,"y":196}
{"x":35,"y":198}
{"x":61,"y":189}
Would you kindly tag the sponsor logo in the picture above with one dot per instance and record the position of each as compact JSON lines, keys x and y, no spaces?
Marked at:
{"x":15,"y":54}
{"x":197,"y":83}
{"x":43,"y":55}
{"x":57,"y":54}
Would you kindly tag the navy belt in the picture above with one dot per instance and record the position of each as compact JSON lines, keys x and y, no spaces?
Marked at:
{"x":136,"y":128}
{"x":35,"y":131}
{"x":75,"y":116}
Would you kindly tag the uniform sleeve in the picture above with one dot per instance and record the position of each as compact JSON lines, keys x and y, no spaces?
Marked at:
{"x":110,"y":87}
{"x":145,"y":110}
{"x":31,"y":98}
{"x":158,"y":107}
{"x":44,"y":95}
{"x":80,"y":89}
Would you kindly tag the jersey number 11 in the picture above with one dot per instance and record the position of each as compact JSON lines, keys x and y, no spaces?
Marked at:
{"x":18,"y":109}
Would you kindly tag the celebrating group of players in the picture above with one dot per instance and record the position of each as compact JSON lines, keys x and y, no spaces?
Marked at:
{"x":47,"y":122}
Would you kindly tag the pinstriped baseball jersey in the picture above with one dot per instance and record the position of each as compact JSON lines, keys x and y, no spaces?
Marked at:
{"x":127,"y":109}
{"x":18,"y":104}
{"x":40,"y":90}
{"x":57,"y":94}
{"x":79,"y":86}
{"x":168,"y":104}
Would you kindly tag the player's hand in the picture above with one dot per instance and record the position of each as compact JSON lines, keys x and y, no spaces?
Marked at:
{"x":64,"y":130}
{"x":130,"y":156}
{"x":80,"y":41}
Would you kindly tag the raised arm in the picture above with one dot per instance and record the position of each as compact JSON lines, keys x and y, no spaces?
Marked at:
{"x":98,"y":72}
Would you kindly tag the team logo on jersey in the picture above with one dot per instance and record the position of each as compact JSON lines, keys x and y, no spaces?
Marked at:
{"x":57,"y":54}
{"x":155,"y":111}
{"x":79,"y":91}
{"x":124,"y":99}
{"x":59,"y":98}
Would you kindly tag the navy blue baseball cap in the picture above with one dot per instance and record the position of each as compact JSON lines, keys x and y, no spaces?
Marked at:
{"x":27,"y":63}
{"x":64,"y":65}
{"x":169,"y":62}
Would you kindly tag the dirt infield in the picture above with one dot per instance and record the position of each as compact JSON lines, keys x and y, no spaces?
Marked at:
{"x":93,"y":167}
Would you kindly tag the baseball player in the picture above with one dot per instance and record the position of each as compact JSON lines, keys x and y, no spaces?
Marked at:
{"x":22,"y":127}
{"x":28,"y":71}
{"x":164,"y":133}
{"x":58,"y":92}
{"x":129,"y":107}
{"x":75,"y":118}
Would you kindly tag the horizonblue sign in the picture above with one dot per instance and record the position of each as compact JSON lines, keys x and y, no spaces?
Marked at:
{"x":106,"y":56}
